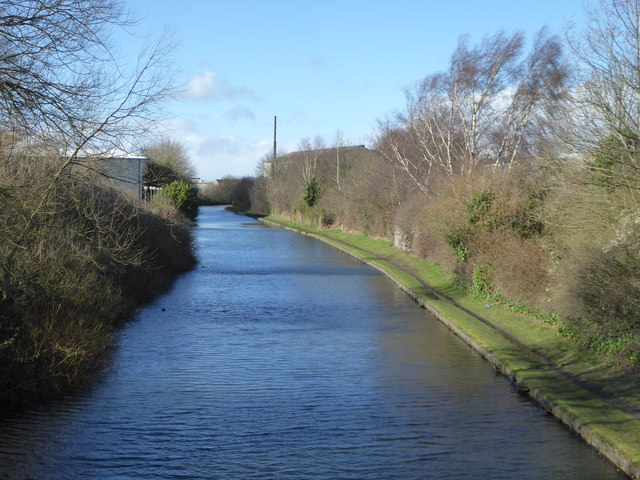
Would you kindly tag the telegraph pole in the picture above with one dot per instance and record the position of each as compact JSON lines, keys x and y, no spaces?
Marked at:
{"x":275,"y":124}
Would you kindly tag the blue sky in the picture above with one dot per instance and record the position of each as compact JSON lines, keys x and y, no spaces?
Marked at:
{"x":320,"y":66}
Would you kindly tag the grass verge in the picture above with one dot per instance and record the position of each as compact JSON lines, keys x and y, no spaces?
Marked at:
{"x":596,"y":399}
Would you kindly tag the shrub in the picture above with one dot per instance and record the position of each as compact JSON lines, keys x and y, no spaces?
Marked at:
{"x":481,"y":283}
{"x":241,"y":194}
{"x":89,"y":259}
{"x":458,"y":242}
{"x":184,"y":196}
{"x":610,"y":282}
{"x":525,"y":221}
{"x":312,"y":192}
{"x":520,"y":267}
{"x":327,"y":218}
{"x":479,"y":208}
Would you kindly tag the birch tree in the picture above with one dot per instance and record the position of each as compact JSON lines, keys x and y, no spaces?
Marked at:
{"x":607,"y":100}
{"x":480,"y":112}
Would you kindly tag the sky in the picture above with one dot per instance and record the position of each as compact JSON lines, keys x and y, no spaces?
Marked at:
{"x":324,"y":68}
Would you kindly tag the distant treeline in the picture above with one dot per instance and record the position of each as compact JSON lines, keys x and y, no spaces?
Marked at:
{"x":517,"y":170}
{"x":232,"y":191}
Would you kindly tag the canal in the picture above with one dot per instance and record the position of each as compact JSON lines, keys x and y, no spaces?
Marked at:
{"x":280,"y":357}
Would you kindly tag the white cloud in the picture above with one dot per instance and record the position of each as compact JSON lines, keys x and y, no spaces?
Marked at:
{"x":213,"y":154}
{"x":240,"y":112}
{"x":209,"y":87}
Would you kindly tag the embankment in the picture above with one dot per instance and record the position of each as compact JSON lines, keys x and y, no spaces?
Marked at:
{"x":70,"y":275}
{"x":583,"y":390}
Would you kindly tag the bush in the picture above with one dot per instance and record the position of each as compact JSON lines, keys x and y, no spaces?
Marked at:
{"x":479,"y":208}
{"x":327,"y":219}
{"x":458,"y":242}
{"x":87,"y":261}
{"x":610,"y":282}
{"x":184,"y":197}
{"x":312,"y":191}
{"x":481,"y":282}
{"x":521,"y":267}
{"x":241,"y":194}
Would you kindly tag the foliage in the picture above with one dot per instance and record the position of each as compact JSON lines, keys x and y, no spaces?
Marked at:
{"x":479,"y":208}
{"x":55,"y":331}
{"x":481,"y":284}
{"x":458,"y":241}
{"x":184,"y":197}
{"x":612,"y":155}
{"x":525,"y":221}
{"x":549,"y":318}
{"x":312,"y":192}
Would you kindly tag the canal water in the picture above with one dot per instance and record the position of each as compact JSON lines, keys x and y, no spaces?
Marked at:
{"x":280,"y":357}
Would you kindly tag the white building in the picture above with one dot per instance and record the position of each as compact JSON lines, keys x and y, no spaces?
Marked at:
{"x":124,"y":170}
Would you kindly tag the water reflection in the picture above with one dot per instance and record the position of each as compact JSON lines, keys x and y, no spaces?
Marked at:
{"x":279,"y":357}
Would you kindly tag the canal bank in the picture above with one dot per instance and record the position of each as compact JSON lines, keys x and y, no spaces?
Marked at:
{"x":582,"y":390}
{"x":282,"y":357}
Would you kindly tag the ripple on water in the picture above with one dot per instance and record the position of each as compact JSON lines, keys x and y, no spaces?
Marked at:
{"x":282,"y":358}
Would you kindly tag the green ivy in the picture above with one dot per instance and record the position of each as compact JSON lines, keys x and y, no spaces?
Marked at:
{"x":481,"y":286}
{"x":458,"y":243}
{"x":479,"y":208}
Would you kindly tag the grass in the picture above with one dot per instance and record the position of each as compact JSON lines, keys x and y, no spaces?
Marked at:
{"x":585,"y":390}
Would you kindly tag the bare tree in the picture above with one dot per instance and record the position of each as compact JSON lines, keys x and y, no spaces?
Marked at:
{"x":539,"y":91}
{"x":48,"y":56}
{"x":607,"y":101}
{"x":478,"y":78}
{"x":338,"y":144}
{"x":480,"y":112}
{"x":399,"y":147}
{"x":59,"y":76}
{"x":282,"y":180}
{"x":169,"y":161}
{"x":63,"y":93}
{"x":309,"y":152}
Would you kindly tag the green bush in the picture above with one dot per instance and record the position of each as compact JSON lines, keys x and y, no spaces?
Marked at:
{"x":525,"y":222}
{"x":481,"y":285}
{"x":184,"y":196}
{"x":614,"y":152}
{"x":312,"y":192}
{"x":458,"y":242}
{"x":479,"y":208}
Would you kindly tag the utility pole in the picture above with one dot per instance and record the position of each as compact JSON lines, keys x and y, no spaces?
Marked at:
{"x":275,"y":124}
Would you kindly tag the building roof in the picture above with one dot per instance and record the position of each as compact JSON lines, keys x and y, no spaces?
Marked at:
{"x":113,"y":154}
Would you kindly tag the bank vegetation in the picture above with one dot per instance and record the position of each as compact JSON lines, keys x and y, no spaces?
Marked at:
{"x":78,"y":251}
{"x":516,"y":170}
